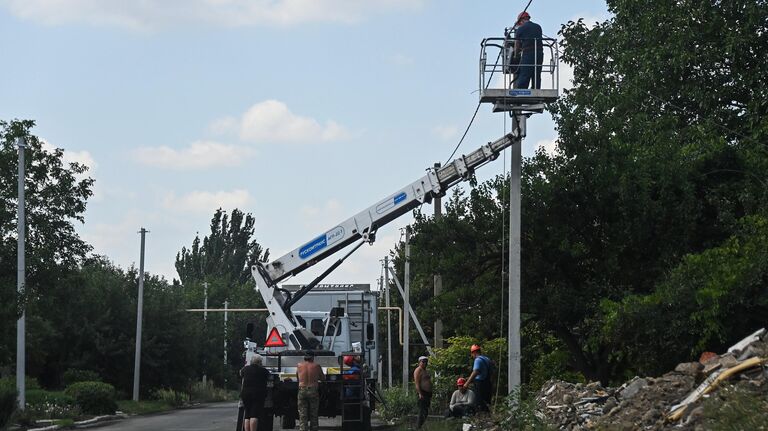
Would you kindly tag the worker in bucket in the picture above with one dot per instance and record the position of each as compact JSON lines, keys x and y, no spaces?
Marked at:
{"x":528,"y":43}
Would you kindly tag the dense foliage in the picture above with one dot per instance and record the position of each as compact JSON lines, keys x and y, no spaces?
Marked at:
{"x":7,"y":401}
{"x":93,"y":397}
{"x":643,"y":233}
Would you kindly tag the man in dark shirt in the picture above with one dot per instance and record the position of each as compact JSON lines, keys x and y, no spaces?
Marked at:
{"x":254,"y":392}
{"x":528,"y":42}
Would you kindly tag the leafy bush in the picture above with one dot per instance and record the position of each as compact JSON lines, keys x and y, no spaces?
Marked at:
{"x":171,"y":397}
{"x":208,"y":393}
{"x":398,"y":404}
{"x":518,"y":413}
{"x":7,"y":401}
{"x":93,"y":397}
{"x":74,"y":375}
{"x":51,"y":405}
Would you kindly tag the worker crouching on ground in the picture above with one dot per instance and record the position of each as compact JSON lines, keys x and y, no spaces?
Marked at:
{"x":423,"y":382}
{"x":309,"y":374}
{"x":462,"y":401}
{"x":481,"y":377}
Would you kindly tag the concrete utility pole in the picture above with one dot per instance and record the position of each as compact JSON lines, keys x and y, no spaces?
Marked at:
{"x":407,"y":307}
{"x":205,"y":318}
{"x":139,"y":312}
{"x":226,"y":305}
{"x":513,"y":329}
{"x":389,"y":324}
{"x":438,"y":279}
{"x":21,"y":354}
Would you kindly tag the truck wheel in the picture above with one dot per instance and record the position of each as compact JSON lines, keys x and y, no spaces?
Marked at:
{"x":288,"y":422}
{"x":367,"y":419}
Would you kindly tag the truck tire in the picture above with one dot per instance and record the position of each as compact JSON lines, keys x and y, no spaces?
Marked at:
{"x":288,"y":421}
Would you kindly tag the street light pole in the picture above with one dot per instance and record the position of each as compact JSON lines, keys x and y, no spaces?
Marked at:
{"x":21,"y":354}
{"x":139,"y":312}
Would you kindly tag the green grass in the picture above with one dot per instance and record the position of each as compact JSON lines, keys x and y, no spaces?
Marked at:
{"x":143,"y":407}
{"x":64,"y":422}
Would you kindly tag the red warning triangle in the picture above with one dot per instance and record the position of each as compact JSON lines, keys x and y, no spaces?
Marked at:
{"x":274,"y":339}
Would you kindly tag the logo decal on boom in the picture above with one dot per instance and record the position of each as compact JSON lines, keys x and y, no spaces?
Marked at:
{"x":319,"y":243}
{"x":391,"y":203}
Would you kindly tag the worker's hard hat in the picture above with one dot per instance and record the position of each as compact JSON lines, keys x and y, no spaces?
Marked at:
{"x":460,"y":381}
{"x":523,"y":15}
{"x":349,"y":360}
{"x":474,"y":348}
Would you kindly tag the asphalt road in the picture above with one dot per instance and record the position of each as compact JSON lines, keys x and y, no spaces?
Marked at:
{"x":211,"y":417}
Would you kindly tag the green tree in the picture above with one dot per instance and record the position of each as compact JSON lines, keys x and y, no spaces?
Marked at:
{"x":222,"y":260}
{"x":56,"y":195}
{"x":661,"y":155}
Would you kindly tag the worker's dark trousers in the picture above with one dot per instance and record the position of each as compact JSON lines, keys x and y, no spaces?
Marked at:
{"x":529,"y":70}
{"x":423,"y":408}
{"x":483,"y":388}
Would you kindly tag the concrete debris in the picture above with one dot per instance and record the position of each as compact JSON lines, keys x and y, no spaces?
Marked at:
{"x":672,"y":401}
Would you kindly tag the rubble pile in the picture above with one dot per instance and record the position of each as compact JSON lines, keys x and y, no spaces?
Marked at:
{"x":672,"y":401}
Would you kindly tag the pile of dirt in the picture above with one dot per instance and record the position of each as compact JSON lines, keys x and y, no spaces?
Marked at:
{"x":672,"y":401}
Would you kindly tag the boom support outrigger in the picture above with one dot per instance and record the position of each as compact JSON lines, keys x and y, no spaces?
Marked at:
{"x":362,"y":228}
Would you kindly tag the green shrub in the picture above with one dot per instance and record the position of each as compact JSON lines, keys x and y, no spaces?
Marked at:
{"x":51,"y":405}
{"x":172,"y":398}
{"x":398,"y":404}
{"x":93,"y":397}
{"x":7,"y":401}
{"x":74,"y":375}
{"x":208,"y":393}
{"x":516,"y":413}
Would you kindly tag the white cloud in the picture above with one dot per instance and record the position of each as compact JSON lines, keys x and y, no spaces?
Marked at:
{"x":207,"y":202}
{"x":445,"y":132}
{"x":157,"y":14}
{"x":82,"y":157}
{"x":549,"y":145}
{"x":199,"y":155}
{"x":272,"y":121}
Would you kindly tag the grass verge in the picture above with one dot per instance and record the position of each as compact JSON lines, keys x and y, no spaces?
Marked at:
{"x":143,"y":407}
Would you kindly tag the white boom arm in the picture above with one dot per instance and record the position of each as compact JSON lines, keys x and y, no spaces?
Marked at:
{"x":363,"y":226}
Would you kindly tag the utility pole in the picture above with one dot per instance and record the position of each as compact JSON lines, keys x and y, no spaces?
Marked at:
{"x":389,"y":323}
{"x":21,"y":354}
{"x":205,"y":319}
{"x":226,"y":305}
{"x":438,"y":279}
{"x":513,"y":328}
{"x":407,"y":307}
{"x":139,"y":311}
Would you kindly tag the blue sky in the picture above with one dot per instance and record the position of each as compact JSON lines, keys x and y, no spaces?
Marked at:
{"x":302,"y":112}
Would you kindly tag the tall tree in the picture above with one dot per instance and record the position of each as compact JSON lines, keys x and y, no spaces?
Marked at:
{"x":227,"y":252}
{"x":56,"y":196}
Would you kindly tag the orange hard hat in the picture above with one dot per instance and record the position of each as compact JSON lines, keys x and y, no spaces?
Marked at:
{"x":460,"y":381}
{"x":349,"y":360}
{"x":474,"y":348}
{"x":523,"y":15}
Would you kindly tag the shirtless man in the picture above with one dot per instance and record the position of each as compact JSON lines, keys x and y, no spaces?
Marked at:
{"x":423,"y":381}
{"x":309,"y":374}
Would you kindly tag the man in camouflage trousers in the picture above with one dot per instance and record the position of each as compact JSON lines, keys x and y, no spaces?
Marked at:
{"x":309,"y":374}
